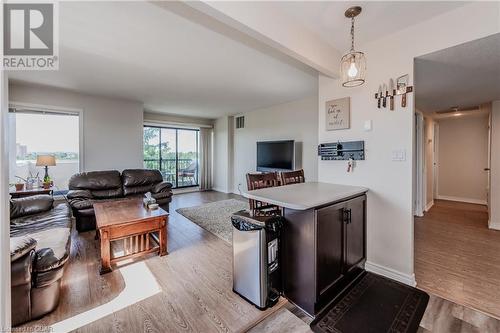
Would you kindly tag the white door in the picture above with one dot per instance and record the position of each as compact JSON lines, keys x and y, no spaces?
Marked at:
{"x":488,"y":167}
{"x":419,"y":165}
{"x":436,"y":160}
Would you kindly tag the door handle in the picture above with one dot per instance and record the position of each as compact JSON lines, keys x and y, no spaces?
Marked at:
{"x":486,"y":169}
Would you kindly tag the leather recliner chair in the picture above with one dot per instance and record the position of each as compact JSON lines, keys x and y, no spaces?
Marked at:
{"x":86,"y":188}
{"x":40,"y":240}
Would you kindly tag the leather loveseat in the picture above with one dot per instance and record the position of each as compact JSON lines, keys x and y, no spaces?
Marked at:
{"x":89,"y":187}
{"x":40,"y":240}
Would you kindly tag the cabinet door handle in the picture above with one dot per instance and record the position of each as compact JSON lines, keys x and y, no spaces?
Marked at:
{"x":347,"y":216}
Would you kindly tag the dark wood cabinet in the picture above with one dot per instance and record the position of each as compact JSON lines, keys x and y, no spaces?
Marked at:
{"x":324,"y":251}
{"x":355,"y":235}
{"x":329,"y":245}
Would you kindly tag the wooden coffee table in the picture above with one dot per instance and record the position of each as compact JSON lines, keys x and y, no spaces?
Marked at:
{"x":142,"y":231}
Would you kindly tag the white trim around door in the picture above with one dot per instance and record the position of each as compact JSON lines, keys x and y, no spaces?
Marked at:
{"x":5,"y":308}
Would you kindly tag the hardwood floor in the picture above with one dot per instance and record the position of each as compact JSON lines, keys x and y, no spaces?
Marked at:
{"x":441,"y":316}
{"x":189,"y":290}
{"x":457,"y":257}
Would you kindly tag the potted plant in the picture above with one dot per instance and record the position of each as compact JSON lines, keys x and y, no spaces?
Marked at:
{"x":47,"y":182}
{"x":20,"y":183}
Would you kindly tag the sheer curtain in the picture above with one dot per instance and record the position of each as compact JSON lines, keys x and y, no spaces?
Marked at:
{"x":205,"y":159}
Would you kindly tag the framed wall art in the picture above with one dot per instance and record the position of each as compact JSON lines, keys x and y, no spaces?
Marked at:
{"x":338,"y":114}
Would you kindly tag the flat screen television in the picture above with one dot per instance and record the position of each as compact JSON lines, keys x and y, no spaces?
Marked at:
{"x":275,"y":155}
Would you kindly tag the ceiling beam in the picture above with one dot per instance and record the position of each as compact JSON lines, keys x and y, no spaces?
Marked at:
{"x":263,"y":22}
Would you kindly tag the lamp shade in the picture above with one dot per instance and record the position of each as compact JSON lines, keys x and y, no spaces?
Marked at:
{"x":45,"y":160}
{"x":353,"y":69}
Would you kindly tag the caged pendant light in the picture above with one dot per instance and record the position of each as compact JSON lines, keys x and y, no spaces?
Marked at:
{"x":353,"y":64}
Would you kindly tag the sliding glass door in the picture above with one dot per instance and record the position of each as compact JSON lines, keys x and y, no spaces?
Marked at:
{"x":173,"y":151}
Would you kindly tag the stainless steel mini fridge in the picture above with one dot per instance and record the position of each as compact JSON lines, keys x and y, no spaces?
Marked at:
{"x":256,"y":258}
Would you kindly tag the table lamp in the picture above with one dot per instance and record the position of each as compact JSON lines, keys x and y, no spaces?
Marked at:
{"x":46,"y":161}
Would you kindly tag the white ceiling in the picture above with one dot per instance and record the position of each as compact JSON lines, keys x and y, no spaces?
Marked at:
{"x":180,"y":62}
{"x":465,"y":75}
{"x":139,"y":51}
{"x":377,"y":19}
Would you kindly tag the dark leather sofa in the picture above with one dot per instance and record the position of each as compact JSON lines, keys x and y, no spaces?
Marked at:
{"x":40,"y":240}
{"x":89,"y":187}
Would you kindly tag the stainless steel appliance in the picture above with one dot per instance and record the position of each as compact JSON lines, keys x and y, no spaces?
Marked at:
{"x":256,"y":258}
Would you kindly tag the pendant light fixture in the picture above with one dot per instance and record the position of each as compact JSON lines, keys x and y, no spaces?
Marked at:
{"x":353,"y":64}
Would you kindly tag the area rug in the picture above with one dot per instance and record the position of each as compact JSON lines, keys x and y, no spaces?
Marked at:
{"x":215,"y":217}
{"x":374,"y":305}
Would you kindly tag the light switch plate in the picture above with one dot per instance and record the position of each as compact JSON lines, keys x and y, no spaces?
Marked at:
{"x":399,"y":155}
{"x":367,"y":126}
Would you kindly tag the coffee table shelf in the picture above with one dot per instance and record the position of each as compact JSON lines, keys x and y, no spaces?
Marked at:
{"x":139,"y":230}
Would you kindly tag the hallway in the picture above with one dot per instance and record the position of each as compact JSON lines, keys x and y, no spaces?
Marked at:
{"x":457,"y":257}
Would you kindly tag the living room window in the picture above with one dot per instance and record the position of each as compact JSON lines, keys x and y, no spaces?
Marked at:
{"x":43,"y":133}
{"x":173,"y":151}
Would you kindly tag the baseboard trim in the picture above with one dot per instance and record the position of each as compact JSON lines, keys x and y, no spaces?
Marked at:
{"x":429,"y":206}
{"x":494,"y":225}
{"x":391,"y":273}
{"x":220,"y":190}
{"x":460,"y":199}
{"x":185,"y":190}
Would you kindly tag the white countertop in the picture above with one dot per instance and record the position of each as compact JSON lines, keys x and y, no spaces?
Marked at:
{"x":305,"y":196}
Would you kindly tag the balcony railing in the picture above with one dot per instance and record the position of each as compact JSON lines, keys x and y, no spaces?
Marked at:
{"x":167,"y":167}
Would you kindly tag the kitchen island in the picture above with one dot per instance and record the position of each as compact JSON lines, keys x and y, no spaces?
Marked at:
{"x":323,"y":239}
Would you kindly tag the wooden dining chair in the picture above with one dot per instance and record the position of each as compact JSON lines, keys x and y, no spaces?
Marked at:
{"x":258,"y":181}
{"x":292,"y":177}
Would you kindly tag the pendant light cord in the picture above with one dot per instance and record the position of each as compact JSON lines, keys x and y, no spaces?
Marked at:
{"x":352,"y":34}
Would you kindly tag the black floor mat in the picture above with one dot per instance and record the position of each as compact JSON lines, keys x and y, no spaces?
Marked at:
{"x":374,"y":305}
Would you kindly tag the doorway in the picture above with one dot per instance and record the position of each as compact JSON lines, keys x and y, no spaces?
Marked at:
{"x":456,"y":241}
{"x":173,"y":151}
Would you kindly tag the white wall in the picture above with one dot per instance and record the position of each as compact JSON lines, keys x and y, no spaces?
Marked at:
{"x":390,"y":216}
{"x":112,"y":128}
{"x":494,"y":221}
{"x":297,"y":121}
{"x":222,"y":164}
{"x":463,"y":155}
{"x":5,"y":308}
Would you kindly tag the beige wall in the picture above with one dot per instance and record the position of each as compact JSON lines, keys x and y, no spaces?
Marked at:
{"x":112,"y":128}
{"x":390,"y":200}
{"x":494,"y":222}
{"x":429,"y":160}
{"x":222,"y":157}
{"x":290,"y":121}
{"x":463,"y":155}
